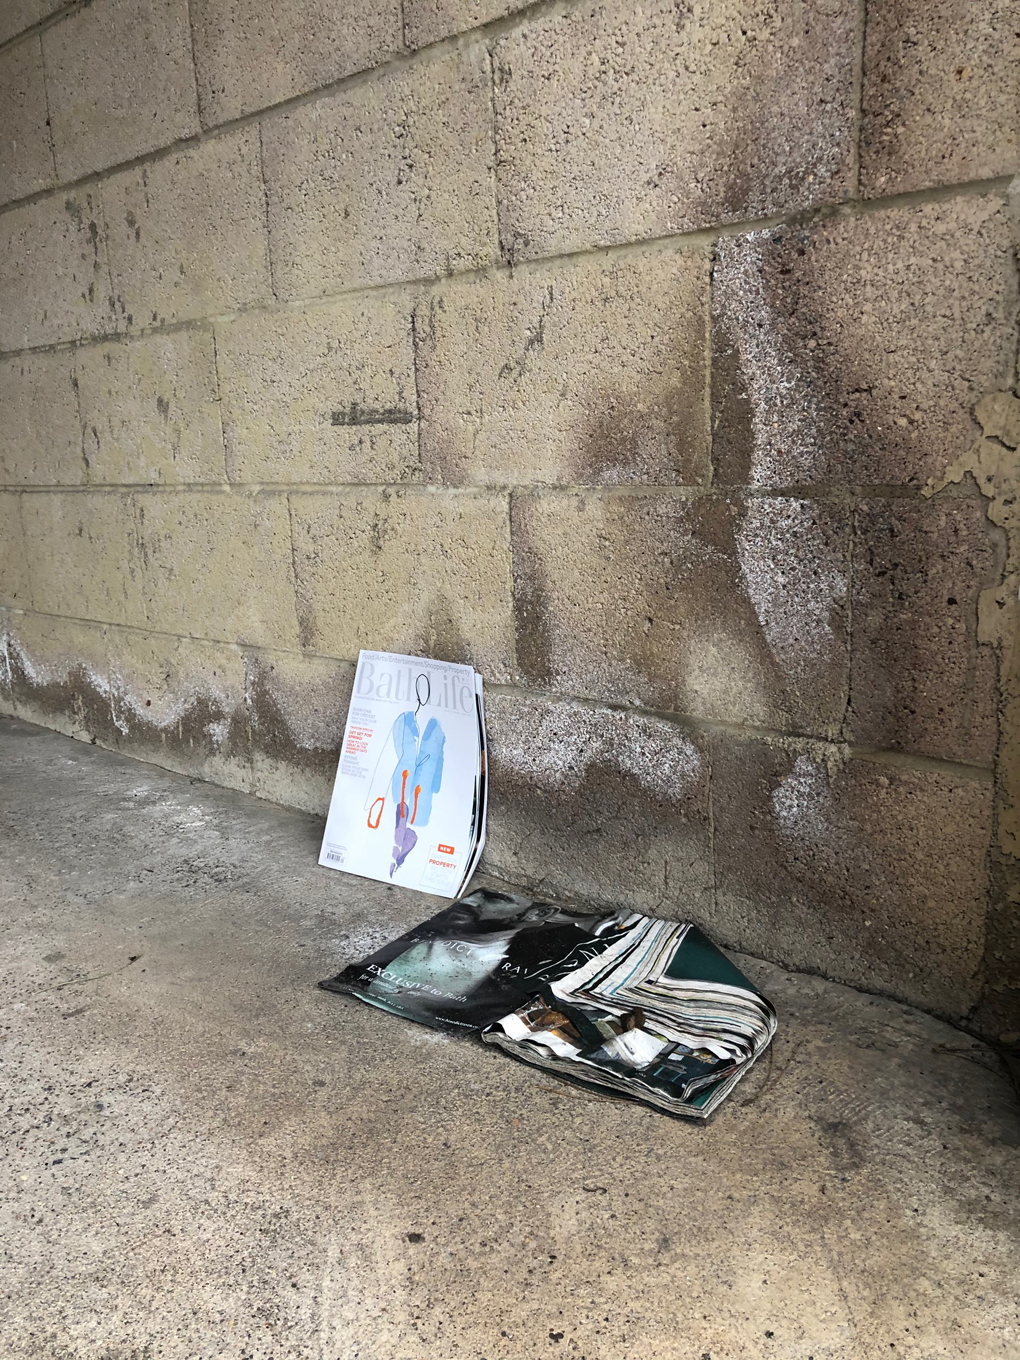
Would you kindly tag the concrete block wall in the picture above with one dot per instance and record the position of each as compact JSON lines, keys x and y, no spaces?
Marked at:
{"x":660,"y":360}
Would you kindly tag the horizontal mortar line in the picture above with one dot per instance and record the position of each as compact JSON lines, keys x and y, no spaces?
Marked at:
{"x":40,"y":26}
{"x":398,"y":60}
{"x":829,"y":493}
{"x":481,"y":35}
{"x":696,"y":240}
{"x":824,"y":747}
{"x":249,"y":490}
{"x":880,"y":755}
{"x":802,"y":742}
{"x":565,"y":896}
{"x":149,"y":632}
{"x":832,"y":492}
{"x":539,"y":886}
{"x":142,"y":630}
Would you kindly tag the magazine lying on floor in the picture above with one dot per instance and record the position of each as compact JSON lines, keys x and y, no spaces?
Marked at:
{"x":647,"y":1009}
{"x":411,"y":789}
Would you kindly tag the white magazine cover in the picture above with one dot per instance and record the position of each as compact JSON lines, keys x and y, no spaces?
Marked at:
{"x":402,"y":809}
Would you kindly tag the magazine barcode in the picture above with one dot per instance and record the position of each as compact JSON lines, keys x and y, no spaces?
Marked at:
{"x":336,"y":856}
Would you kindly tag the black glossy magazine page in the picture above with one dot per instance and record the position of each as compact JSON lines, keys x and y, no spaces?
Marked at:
{"x":476,"y":960}
{"x":647,"y":1009}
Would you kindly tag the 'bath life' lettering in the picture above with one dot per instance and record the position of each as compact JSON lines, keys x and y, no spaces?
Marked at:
{"x":411,"y":684}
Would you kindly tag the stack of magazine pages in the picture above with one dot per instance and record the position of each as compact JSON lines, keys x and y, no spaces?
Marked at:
{"x":410,"y":794}
{"x":646,"y":1009}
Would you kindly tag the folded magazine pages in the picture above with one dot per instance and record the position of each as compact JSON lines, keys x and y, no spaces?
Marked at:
{"x":410,"y":793}
{"x":646,"y":1009}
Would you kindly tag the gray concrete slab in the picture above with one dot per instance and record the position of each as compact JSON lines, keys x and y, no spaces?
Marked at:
{"x":206,"y":1156}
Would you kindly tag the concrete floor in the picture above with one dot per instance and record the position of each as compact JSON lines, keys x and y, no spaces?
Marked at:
{"x":206,"y":1156}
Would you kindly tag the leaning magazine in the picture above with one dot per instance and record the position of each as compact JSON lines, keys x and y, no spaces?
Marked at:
{"x":410,"y":794}
{"x":646,"y":1009}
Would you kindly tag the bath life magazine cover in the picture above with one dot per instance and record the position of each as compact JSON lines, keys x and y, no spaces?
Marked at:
{"x":409,"y":798}
{"x":645,"y":1009}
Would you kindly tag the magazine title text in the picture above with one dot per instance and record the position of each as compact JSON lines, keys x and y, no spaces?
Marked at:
{"x":407,"y":684}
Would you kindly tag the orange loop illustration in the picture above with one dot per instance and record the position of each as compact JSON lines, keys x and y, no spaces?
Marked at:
{"x":378,"y":814}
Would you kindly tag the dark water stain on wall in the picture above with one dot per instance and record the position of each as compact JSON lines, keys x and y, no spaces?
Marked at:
{"x":273,"y":727}
{"x":578,"y":793}
{"x":204,"y":728}
{"x":71,"y":695}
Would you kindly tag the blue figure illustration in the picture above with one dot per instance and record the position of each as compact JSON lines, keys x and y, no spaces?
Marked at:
{"x":417,"y":777}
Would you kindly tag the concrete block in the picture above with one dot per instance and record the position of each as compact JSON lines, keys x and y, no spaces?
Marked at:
{"x":853,"y":352}
{"x":872,"y":874}
{"x":83,"y":555}
{"x":410,"y":571}
{"x":120,"y":82}
{"x":251,"y":55}
{"x":26,"y":159}
{"x":326,"y":394}
{"x":429,"y":21}
{"x":587,"y":371}
{"x":297,"y":709}
{"x":40,"y":436}
{"x":613,"y":130}
{"x":939,"y":103}
{"x":149,"y":409}
{"x":188,"y":233}
{"x":218,"y":566}
{"x":920,"y":681}
{"x":18,"y":15}
{"x":14,"y":575}
{"x":54,"y":273}
{"x":598,"y":806}
{"x":60,"y":676}
{"x":180,"y":703}
{"x":389,"y":180}
{"x":703,"y":607}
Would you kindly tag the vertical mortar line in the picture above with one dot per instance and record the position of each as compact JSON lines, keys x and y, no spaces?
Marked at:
{"x":294,"y":571}
{"x":505,"y":256}
{"x":194,"y":67}
{"x":49,"y":115}
{"x":106,"y":631}
{"x":997,"y":850}
{"x":709,"y":341}
{"x":76,"y":387}
{"x":247,"y":706}
{"x":515,"y":676}
{"x":138,"y":521}
{"x":403,"y":25}
{"x":109,"y":262}
{"x":858,"y":114}
{"x":265,"y":199}
{"x":1013,"y":210}
{"x":30,"y":603}
{"x":219,"y":403}
{"x":417,"y":384}
{"x":841,"y":734}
